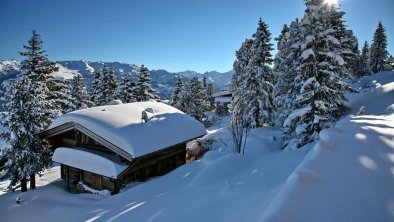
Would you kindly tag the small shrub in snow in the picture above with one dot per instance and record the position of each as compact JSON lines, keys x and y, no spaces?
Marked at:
{"x":18,"y":200}
{"x":361,"y":111}
{"x":210,"y":119}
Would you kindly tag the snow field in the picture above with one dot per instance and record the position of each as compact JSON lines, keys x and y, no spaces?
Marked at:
{"x":348,"y":175}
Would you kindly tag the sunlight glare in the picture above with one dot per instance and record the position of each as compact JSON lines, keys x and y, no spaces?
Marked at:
{"x":331,"y":2}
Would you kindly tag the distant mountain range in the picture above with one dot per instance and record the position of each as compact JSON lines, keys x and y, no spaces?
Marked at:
{"x":162,"y":80}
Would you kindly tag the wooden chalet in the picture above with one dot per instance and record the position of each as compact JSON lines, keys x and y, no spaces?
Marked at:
{"x":108,"y":146}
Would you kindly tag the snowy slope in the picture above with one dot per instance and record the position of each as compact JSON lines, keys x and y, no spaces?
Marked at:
{"x":347,"y":176}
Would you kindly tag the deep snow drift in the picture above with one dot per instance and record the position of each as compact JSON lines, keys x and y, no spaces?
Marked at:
{"x":347,"y":176}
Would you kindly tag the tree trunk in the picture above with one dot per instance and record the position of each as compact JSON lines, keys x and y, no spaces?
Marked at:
{"x":32,"y":181}
{"x":24,"y":185}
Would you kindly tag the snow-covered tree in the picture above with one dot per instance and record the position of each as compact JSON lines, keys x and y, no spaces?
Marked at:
{"x":254,"y":79}
{"x":391,"y":62}
{"x":343,"y":37}
{"x":126,"y":91}
{"x":96,"y":94}
{"x":144,"y":90}
{"x":243,"y":56}
{"x":210,"y":91}
{"x":104,"y":86}
{"x":319,"y":85}
{"x":79,"y":95}
{"x":59,"y":95}
{"x":379,"y":53}
{"x":208,"y":87}
{"x":175,"y":94}
{"x":286,"y":69}
{"x":363,"y":64}
{"x":192,"y":99}
{"x":28,"y":111}
{"x":283,"y":49}
{"x":109,"y":84}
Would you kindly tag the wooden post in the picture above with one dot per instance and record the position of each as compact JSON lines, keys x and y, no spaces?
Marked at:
{"x":67,"y":178}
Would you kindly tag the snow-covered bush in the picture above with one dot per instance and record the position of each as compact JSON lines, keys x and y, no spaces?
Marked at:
{"x":83,"y":188}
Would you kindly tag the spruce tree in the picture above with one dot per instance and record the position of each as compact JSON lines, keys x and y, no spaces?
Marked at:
{"x":192,"y":99}
{"x":59,"y":95}
{"x":282,"y":48}
{"x":319,"y":85}
{"x":391,"y":62}
{"x":97,"y":96}
{"x":144,"y":90}
{"x":254,"y":79}
{"x":379,"y":53}
{"x":127,"y":90}
{"x":79,"y":95}
{"x":285,"y":67}
{"x":28,"y":112}
{"x":175,"y":94}
{"x":210,"y":91}
{"x":109,"y":85}
{"x":363,"y":65}
{"x":238,"y":104}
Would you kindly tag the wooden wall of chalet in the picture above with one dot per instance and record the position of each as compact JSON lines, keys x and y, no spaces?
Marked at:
{"x":141,"y":168}
{"x":154,"y":164}
{"x":73,"y":175}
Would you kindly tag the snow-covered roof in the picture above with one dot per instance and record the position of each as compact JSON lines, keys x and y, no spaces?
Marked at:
{"x":94,"y":162}
{"x":223,"y":99}
{"x":222,"y":93}
{"x":123,"y":126}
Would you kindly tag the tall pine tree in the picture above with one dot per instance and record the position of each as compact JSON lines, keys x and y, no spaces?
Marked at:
{"x":28,"y":112}
{"x":288,"y":69}
{"x":254,"y":79}
{"x":363,"y":64}
{"x":79,"y":95}
{"x":379,"y":53}
{"x":109,"y":85}
{"x":144,"y":90}
{"x":127,"y":90}
{"x":319,"y":85}
{"x":59,"y":95}
{"x":175,"y":94}
{"x":193,"y":100}
{"x":96,"y":94}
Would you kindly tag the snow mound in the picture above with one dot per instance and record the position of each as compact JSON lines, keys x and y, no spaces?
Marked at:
{"x":378,"y":94}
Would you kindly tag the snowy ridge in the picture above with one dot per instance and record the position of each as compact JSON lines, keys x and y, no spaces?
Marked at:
{"x":162,"y":80}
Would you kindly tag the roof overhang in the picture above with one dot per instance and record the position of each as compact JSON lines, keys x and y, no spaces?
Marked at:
{"x":94,"y":162}
{"x":75,"y":126}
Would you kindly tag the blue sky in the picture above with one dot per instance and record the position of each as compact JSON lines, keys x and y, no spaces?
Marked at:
{"x":176,"y":35}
